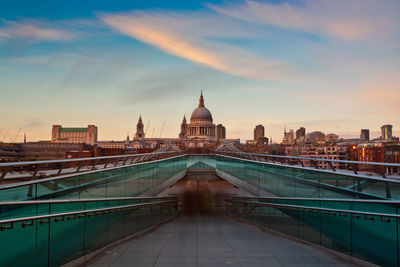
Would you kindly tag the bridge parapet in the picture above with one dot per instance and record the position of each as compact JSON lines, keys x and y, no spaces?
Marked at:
{"x":64,"y":230}
{"x":118,"y":181}
{"x":12,"y":172}
{"x":351,"y":227}
{"x":355,"y":167}
{"x":287,"y":180}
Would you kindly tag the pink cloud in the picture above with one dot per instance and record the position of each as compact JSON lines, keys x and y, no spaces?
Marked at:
{"x":188,"y":38}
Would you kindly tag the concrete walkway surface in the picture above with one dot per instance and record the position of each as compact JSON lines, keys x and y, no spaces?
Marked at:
{"x":213,"y":240}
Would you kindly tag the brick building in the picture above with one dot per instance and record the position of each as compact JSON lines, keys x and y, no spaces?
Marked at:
{"x":85,"y":135}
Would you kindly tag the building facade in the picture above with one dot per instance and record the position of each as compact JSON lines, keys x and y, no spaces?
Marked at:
{"x":42,"y":150}
{"x":259,"y":132}
{"x":74,"y":135}
{"x":201,"y":129}
{"x":392,"y":155}
{"x":328,"y":152}
{"x":140,"y":129}
{"x":221,"y":132}
{"x":331,"y":138}
{"x":364,"y":134}
{"x":300,"y":133}
{"x":288,"y":137}
{"x":386,"y":132}
{"x":183,"y":132}
{"x":199,"y":132}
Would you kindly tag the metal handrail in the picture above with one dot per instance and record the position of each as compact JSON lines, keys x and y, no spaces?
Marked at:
{"x":58,"y":201}
{"x":378,"y":201}
{"x":307,"y":208}
{"x":356,"y":174}
{"x":22,"y":163}
{"x":91,"y":211}
{"x":316,"y":159}
{"x":79,"y":173}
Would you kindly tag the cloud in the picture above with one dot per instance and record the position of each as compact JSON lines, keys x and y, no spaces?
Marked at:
{"x":162,"y":85}
{"x":33,"y":123}
{"x":190,"y":38}
{"x":56,"y":59}
{"x":342,"y":19}
{"x":35,"y":31}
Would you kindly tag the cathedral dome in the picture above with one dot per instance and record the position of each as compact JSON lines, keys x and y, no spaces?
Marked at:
{"x":201,"y":113}
{"x":201,"y":125}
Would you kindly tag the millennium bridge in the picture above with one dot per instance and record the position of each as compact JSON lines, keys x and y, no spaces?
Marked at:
{"x":171,"y":208}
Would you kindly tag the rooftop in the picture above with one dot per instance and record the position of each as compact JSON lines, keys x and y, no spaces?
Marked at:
{"x":73,"y":129}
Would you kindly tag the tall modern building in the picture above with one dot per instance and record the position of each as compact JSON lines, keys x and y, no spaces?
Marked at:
{"x":221,"y":132}
{"x":259,"y":132}
{"x":140,"y":129}
{"x":364,"y":134}
{"x":87,"y":135}
{"x":386,"y":132}
{"x":300,"y":133}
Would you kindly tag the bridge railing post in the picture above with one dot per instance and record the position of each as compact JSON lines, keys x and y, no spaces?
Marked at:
{"x":60,"y":169}
{"x":94,"y":164}
{"x":35,"y":170}
{"x":4,"y":172}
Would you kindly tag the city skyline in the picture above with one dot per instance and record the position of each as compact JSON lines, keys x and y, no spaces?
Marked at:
{"x":328,"y":66}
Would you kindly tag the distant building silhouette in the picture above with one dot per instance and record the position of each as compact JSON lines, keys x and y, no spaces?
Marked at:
{"x":183,"y":132}
{"x":259,"y":132}
{"x":364,"y":134}
{"x":221,"y":132}
{"x":300,"y":133}
{"x":259,"y":135}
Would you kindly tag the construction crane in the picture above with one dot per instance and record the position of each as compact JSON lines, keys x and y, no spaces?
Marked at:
{"x":147,"y":127}
{"x":15,"y":138}
{"x":162,"y":128}
{"x":5,"y":135}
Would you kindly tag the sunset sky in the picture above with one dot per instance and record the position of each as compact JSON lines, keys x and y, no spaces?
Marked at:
{"x":328,"y":65}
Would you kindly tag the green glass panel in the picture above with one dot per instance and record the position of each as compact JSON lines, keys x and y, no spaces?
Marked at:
{"x":25,"y":246}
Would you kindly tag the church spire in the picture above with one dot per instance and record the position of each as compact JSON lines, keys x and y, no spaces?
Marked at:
{"x":201,"y":101}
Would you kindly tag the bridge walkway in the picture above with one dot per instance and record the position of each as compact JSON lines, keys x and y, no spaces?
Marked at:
{"x":213,"y":240}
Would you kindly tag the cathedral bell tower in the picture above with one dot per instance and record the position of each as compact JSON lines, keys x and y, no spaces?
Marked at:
{"x":183,"y":128}
{"x":140,"y":129}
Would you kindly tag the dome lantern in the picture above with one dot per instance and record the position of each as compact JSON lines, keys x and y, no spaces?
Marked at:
{"x":201,"y":101}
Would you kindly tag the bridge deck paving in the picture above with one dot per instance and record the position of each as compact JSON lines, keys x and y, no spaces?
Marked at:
{"x":213,"y":240}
